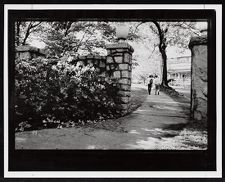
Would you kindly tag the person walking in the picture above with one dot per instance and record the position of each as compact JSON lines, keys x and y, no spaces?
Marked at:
{"x":150,"y":86}
{"x":157,"y":85}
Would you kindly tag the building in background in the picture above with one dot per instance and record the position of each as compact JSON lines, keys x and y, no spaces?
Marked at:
{"x":179,"y":71}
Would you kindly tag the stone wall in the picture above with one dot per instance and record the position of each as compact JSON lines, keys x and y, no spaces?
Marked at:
{"x":29,"y":52}
{"x":199,"y":78}
{"x":99,"y":62}
{"x":116,"y":65}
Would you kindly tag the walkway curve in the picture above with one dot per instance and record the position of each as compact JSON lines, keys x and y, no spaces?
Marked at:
{"x":152,"y":126}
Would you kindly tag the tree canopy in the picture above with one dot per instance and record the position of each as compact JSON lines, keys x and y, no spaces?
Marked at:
{"x":151,"y":40}
{"x":168,"y":34}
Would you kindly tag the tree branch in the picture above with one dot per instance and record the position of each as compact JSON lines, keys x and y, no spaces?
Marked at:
{"x":79,"y":44}
{"x":27,"y":34}
{"x":30,"y":29}
{"x":35,"y":25}
{"x":138,"y":26}
{"x":67,"y":28}
{"x":183,"y":24}
{"x":152,"y":51}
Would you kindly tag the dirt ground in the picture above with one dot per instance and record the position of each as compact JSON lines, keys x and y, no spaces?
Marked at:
{"x":158,"y":124}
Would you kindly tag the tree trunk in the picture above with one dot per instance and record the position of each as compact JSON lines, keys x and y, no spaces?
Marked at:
{"x":164,"y":66}
{"x":26,"y":36}
{"x":162,"y":49}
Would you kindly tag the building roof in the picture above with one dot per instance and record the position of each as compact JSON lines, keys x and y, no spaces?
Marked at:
{"x":179,"y":71}
{"x":179,"y":57}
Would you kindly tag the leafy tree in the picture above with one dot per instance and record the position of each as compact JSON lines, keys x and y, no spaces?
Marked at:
{"x":73,"y":38}
{"x":23,"y":30}
{"x":170,"y":34}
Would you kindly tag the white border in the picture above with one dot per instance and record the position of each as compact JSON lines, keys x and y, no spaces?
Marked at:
{"x":125,"y":174}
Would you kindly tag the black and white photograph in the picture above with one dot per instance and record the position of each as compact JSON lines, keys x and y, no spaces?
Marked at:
{"x":111,"y":85}
{"x":104,"y":89}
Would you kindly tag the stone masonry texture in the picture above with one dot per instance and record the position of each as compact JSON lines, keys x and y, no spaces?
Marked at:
{"x":199,"y":78}
{"x":121,"y":55}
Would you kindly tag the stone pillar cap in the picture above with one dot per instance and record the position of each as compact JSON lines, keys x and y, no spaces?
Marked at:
{"x":200,"y":40}
{"x":120,"y":45}
{"x":28,"y":48}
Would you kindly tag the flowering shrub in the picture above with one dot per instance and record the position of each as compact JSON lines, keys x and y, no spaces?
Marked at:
{"x":57,"y":91}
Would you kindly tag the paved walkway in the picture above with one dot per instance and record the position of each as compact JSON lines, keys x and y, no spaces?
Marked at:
{"x":154,"y":125}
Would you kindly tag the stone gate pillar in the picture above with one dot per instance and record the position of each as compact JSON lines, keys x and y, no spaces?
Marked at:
{"x":199,"y":78}
{"x":119,"y":67}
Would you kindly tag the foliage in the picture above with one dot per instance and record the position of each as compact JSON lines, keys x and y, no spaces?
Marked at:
{"x":66,"y":37}
{"x":55,"y":91}
{"x":166,"y":34}
{"x":24,"y":29}
{"x":82,"y":37}
{"x":143,"y":77}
